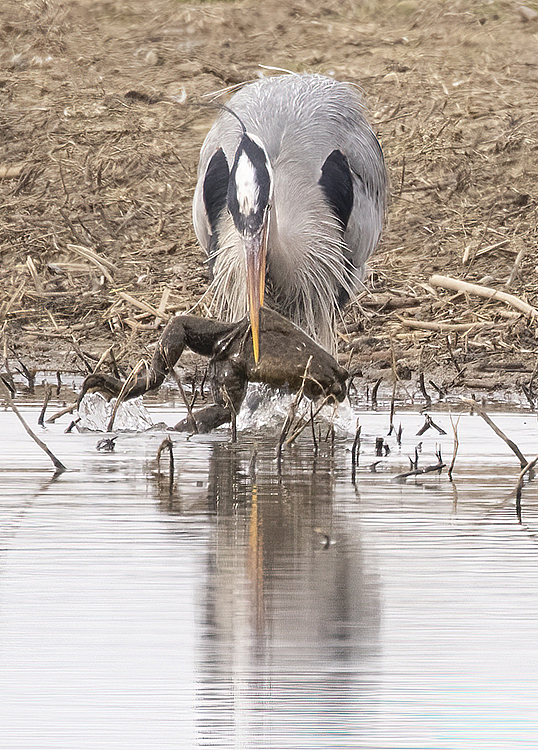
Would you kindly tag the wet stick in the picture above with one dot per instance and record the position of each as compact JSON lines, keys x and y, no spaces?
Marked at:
{"x":65,"y":410}
{"x":374,"y":392}
{"x":456,"y":446}
{"x":497,"y":430}
{"x":167,"y":445}
{"x":304,"y":423}
{"x":286,"y":427}
{"x":392,"y":409}
{"x":312,"y":424}
{"x":423,"y":390}
{"x":355,"y":451}
{"x":188,"y":404}
{"x":519,"y":487}
{"x":440,"y":391}
{"x":29,"y":375}
{"x":58,"y":465}
{"x":48,"y":394}
{"x":414,"y":472}
{"x":428,"y":422}
{"x":233,"y":414}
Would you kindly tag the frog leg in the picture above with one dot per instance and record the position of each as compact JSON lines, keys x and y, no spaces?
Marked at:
{"x":229,"y":385}
{"x":199,"y":334}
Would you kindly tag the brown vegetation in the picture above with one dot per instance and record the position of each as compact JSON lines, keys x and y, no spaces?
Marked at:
{"x":100,"y":129}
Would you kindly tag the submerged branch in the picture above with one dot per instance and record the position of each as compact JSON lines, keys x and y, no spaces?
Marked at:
{"x":426,"y":470}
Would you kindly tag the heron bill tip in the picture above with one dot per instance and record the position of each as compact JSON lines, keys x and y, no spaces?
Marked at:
{"x":255,"y":328}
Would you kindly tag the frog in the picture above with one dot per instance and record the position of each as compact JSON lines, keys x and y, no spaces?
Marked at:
{"x":288,"y":359}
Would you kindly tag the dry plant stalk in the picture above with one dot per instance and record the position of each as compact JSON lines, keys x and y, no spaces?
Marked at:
{"x":10,"y":172}
{"x":484,"y":291}
{"x":428,"y":325}
{"x":143,"y":306}
{"x":102,"y":263}
{"x":161,"y":309}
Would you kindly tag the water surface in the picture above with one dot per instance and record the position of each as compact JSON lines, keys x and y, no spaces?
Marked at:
{"x":259,"y":603}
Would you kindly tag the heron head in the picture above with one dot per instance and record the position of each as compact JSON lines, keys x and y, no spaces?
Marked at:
{"x":249,"y":195}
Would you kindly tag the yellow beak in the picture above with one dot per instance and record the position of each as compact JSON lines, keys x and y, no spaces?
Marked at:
{"x":255,"y":254}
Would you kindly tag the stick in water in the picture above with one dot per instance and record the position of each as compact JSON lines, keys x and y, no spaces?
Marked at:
{"x":519,"y":488}
{"x":58,"y":465}
{"x":497,"y":430}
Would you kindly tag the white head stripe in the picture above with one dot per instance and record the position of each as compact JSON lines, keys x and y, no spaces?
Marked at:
{"x":247,"y":188}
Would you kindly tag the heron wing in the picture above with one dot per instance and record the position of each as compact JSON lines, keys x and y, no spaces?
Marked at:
{"x":215,"y":188}
{"x":210,"y":200}
{"x":337,"y":184}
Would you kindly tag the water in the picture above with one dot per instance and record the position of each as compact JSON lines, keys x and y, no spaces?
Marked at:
{"x":263,"y":604}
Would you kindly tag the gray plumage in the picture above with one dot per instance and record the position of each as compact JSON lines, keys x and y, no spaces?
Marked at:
{"x":326,"y":214}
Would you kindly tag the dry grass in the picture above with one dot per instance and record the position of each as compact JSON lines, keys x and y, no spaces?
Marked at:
{"x":100,"y":133}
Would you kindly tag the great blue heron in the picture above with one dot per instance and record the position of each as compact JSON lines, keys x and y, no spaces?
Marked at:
{"x":290,"y":201}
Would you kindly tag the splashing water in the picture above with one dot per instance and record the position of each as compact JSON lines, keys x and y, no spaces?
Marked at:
{"x":265,"y":410}
{"x":95,"y":412}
